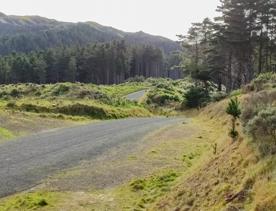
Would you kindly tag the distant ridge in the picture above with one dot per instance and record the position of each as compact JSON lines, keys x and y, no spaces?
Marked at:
{"x":28,"y":33}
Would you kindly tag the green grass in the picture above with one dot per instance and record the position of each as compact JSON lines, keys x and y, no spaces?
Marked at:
{"x":68,"y":99}
{"x":29,"y":201}
{"x":151,"y":188}
{"x":5,"y":134}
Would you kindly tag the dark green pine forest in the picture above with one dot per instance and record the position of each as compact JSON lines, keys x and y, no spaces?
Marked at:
{"x":39,"y":50}
{"x":234,"y":47}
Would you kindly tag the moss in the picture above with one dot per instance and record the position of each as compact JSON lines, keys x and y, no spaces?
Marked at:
{"x":29,"y":201}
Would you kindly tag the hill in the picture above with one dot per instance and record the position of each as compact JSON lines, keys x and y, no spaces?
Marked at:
{"x":28,"y":33}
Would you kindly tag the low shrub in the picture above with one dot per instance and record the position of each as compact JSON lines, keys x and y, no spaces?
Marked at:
{"x":165,"y":92}
{"x":263,"y":129}
{"x":60,"y":89}
{"x":259,"y":119}
{"x":136,"y":78}
{"x":218,"y":96}
{"x":33,"y":108}
{"x":82,"y":110}
{"x":162,"y":98}
{"x":264,"y":80}
{"x":3,"y":94}
{"x":15,"y":93}
{"x":256,"y":102}
{"x":11,"y":104}
{"x":196,"y":97}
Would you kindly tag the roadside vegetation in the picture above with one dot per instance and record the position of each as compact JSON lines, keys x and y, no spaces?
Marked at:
{"x":63,"y":104}
{"x":192,"y":166}
{"x":239,"y":175}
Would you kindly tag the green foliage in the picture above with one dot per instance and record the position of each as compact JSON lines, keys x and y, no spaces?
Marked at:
{"x":152,"y":187}
{"x":11,"y":104}
{"x":233,"y":48}
{"x":233,"y":133}
{"x":235,"y":93}
{"x":28,"y":201}
{"x":196,"y":97}
{"x":256,"y":102}
{"x":15,"y":93}
{"x":100,"y":63}
{"x":6,"y":134}
{"x":258,"y":117}
{"x":60,"y":89}
{"x":166,"y":91}
{"x":263,"y":129}
{"x":136,"y":78}
{"x":75,"y":99}
{"x":264,"y":81}
{"x":233,"y":108}
{"x":218,"y":96}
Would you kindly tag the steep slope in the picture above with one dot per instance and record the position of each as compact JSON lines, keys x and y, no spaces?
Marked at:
{"x":238,"y":175}
{"x":27,"y":33}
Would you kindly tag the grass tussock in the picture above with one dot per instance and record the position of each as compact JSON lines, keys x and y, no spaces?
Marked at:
{"x":29,"y":201}
{"x":151,"y":188}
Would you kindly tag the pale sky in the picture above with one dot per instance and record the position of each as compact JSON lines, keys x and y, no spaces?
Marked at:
{"x":159,"y":17}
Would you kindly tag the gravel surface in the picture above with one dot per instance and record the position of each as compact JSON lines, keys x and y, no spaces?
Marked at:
{"x":136,"y":96}
{"x":26,"y":161}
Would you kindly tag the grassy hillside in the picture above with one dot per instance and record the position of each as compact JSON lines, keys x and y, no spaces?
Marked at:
{"x":241,"y":174}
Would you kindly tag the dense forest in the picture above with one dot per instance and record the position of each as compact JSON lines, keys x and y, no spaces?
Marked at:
{"x":102,"y":63}
{"x":235,"y":47}
{"x":40,"y":50}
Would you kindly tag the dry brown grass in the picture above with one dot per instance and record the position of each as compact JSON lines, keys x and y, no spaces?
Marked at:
{"x":237,"y":178}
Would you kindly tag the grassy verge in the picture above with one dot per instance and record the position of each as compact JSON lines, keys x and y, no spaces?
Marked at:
{"x":145,"y":175}
{"x":30,"y":201}
{"x":5,"y":134}
{"x":237,"y":177}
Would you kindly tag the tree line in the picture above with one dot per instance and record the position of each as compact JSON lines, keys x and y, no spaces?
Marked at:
{"x":234,"y":47}
{"x":102,"y":63}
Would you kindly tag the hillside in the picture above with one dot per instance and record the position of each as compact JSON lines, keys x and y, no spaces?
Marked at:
{"x":28,"y":33}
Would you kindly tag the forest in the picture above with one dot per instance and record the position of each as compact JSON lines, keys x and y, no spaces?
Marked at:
{"x":234,"y":47}
{"x":102,"y":63}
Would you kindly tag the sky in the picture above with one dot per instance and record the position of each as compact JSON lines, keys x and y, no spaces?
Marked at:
{"x":158,"y":17}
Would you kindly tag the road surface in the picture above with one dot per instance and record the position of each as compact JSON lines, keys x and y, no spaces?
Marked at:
{"x":136,"y":96}
{"x":26,"y":161}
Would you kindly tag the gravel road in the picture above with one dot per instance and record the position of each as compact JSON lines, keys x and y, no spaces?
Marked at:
{"x":26,"y":161}
{"x":136,"y":96}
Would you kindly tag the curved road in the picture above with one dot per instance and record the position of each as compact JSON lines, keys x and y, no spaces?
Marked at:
{"x":136,"y":96}
{"x":26,"y":161}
